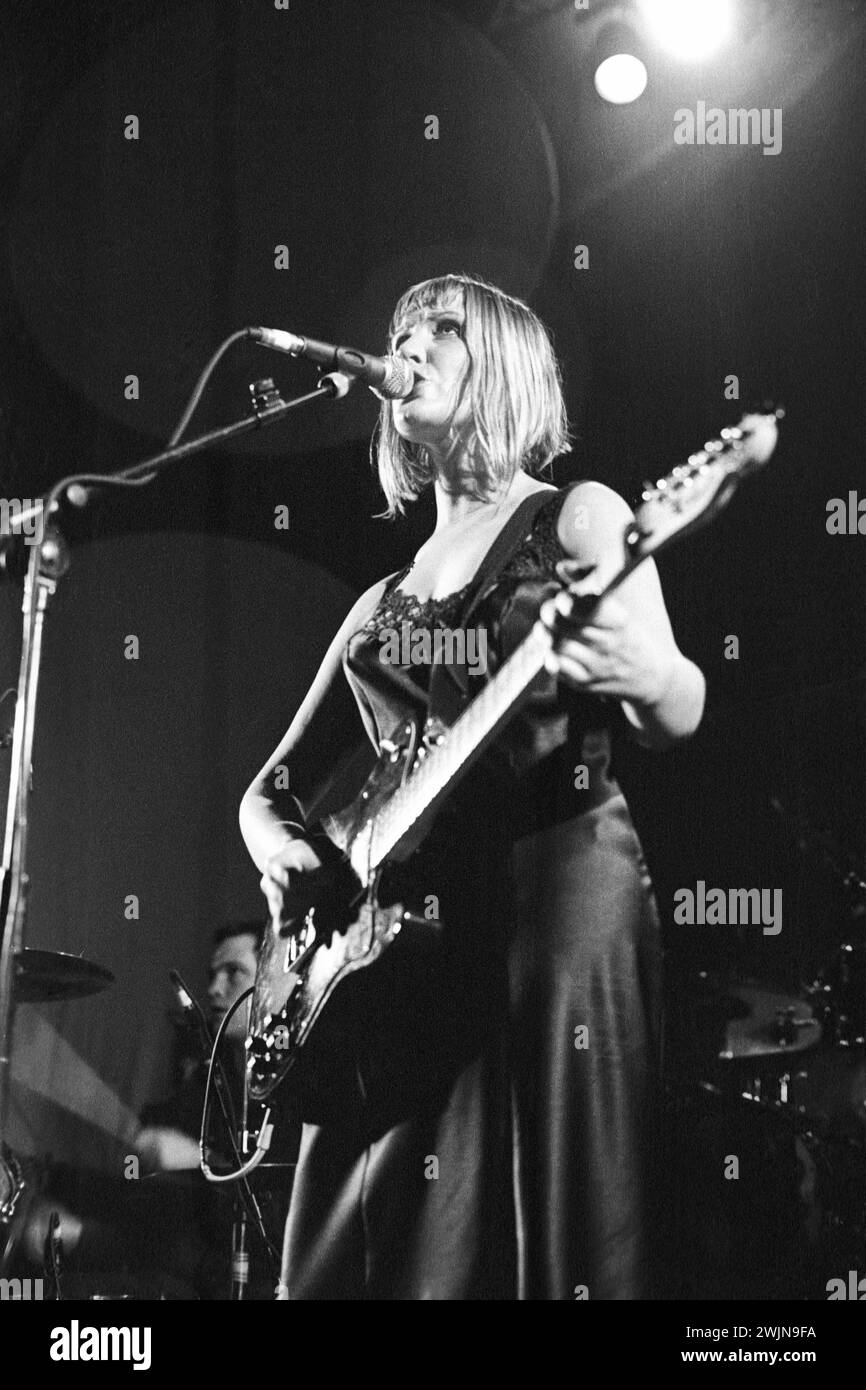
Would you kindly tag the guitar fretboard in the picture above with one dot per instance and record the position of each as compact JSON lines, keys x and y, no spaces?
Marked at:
{"x":432,"y":778}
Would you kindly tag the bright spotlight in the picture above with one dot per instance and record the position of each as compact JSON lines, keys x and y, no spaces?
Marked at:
{"x":620,"y":78}
{"x":620,"y":72}
{"x":689,"y":29}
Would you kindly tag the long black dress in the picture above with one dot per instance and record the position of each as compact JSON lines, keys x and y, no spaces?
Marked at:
{"x":504,"y":1153}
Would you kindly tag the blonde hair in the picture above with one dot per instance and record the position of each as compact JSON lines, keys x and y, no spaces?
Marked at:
{"x":513,"y":384}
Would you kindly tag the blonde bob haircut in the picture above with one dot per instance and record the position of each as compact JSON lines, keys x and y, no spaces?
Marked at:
{"x":513,"y":385}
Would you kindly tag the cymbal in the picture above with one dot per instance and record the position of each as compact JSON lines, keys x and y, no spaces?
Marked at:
{"x":42,"y":976}
{"x":775,"y":1024}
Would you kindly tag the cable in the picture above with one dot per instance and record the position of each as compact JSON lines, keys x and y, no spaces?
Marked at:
{"x":135,"y":476}
{"x":198,"y":389}
{"x":262,"y":1145}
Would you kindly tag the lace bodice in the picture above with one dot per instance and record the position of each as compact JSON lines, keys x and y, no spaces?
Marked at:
{"x":535,"y":559}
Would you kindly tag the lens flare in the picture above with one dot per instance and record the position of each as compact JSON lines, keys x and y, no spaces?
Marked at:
{"x":689,"y":29}
{"x":620,"y":78}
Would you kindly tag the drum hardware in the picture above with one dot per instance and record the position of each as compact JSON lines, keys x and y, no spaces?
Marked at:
{"x":44,"y":976}
{"x":817,"y":1095}
{"x":771,"y":1025}
{"x":840,"y":992}
{"x":755,"y":1089}
{"x":839,"y":989}
{"x":20,"y":1180}
{"x":40,"y":977}
{"x":12,"y":1184}
{"x":52,"y":1257}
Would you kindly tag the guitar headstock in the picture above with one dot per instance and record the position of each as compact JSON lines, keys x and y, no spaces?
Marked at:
{"x":697,"y":490}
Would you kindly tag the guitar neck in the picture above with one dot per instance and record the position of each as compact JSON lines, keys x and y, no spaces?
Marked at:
{"x":433,"y":779}
{"x":688,"y":497}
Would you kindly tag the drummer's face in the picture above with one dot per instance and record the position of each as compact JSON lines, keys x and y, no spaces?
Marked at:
{"x":432,"y":341}
{"x":232,"y":970}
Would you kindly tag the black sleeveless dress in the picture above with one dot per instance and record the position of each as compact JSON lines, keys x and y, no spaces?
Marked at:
{"x":505,"y":1152}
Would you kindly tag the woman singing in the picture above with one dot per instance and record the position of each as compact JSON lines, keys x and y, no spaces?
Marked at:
{"x":503,"y":1154}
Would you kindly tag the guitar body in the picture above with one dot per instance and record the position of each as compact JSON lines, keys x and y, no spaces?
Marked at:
{"x":309,"y":1008}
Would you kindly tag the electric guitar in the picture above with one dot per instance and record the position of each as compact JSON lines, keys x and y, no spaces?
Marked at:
{"x":307,"y":961}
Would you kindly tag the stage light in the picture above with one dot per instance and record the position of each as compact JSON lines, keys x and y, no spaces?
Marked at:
{"x":620,"y":78}
{"x":689,"y":29}
{"x":620,"y":73}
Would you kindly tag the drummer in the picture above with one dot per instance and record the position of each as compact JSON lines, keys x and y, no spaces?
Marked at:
{"x":173,"y":1226}
{"x":169,"y":1138}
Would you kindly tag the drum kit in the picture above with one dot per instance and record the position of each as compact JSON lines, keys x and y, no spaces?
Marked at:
{"x":179,"y":1203}
{"x":801,"y":1056}
{"x":745,"y":1046}
{"x":40,"y":977}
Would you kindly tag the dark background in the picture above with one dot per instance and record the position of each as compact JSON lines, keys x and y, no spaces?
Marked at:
{"x":261,"y":127}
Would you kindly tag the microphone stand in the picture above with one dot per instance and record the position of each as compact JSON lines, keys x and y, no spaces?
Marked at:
{"x":240,"y":1251}
{"x":240,"y":1264}
{"x":48,"y":561}
{"x":240,"y":1261}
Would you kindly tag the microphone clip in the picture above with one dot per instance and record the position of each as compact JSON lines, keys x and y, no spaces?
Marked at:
{"x":265,"y":398}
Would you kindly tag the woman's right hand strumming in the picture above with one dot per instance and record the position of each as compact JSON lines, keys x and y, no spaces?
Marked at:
{"x":284,"y":872}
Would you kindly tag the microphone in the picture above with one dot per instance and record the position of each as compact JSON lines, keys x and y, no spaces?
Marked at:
{"x":389,"y":378}
{"x":197,"y":1018}
{"x":193,"y":1011}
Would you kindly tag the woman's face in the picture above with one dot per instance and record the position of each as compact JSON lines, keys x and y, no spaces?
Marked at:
{"x":432,"y":341}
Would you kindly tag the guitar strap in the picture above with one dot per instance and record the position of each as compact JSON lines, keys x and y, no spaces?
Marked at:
{"x":449,"y":681}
